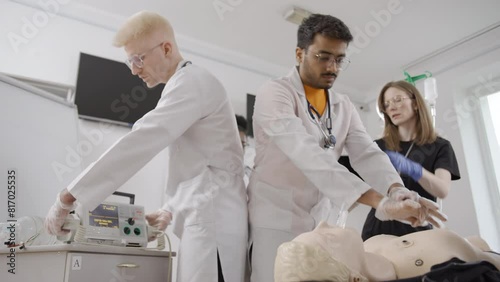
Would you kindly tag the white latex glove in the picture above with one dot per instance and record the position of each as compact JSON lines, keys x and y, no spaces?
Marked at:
{"x":407,"y":211}
{"x":408,"y":207}
{"x":56,"y":216}
{"x":430,"y":210}
{"x":402,"y":193}
{"x":159,"y":219}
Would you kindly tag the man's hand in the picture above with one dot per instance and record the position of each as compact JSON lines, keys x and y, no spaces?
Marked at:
{"x":405,"y":165}
{"x":429,"y":209}
{"x":401,"y":193}
{"x":159,"y":219}
{"x":432,"y":212}
{"x":56,"y":216}
{"x":415,"y":212}
{"x":407,"y":211}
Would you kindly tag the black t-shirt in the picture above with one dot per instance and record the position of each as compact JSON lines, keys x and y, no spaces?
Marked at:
{"x":438,"y":154}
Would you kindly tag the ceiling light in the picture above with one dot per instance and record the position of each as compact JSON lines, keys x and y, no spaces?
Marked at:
{"x":296,"y":15}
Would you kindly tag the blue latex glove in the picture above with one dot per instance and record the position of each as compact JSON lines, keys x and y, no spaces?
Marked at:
{"x":405,"y":165}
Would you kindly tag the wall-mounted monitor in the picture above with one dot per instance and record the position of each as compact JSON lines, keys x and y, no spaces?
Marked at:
{"x":250,"y":106}
{"x":107,"y":91}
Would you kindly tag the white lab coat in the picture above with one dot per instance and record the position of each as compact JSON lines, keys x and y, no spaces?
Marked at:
{"x":293,"y":172}
{"x":205,"y":190}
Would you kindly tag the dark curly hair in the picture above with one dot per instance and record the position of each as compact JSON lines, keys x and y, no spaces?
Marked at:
{"x":321,"y":24}
{"x":242,"y":123}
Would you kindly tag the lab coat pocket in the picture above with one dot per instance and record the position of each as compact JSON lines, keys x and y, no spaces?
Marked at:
{"x":194,"y":201}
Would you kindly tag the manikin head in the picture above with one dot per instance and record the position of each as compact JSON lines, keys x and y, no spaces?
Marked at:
{"x":329,"y":253}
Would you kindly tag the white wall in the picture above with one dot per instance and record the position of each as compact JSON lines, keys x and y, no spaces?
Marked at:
{"x":37,"y":127}
{"x":49,"y":51}
{"x":463,"y":74}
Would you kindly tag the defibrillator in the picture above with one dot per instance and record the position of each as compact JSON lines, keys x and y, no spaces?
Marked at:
{"x":110,"y":223}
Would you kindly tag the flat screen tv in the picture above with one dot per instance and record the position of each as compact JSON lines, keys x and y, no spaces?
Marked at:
{"x":250,"y":106}
{"x":107,"y":91}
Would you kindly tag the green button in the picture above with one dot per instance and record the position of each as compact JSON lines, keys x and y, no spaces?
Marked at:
{"x":137,"y":231}
{"x":126,"y":230}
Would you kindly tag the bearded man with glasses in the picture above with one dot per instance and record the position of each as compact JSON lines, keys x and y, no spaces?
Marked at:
{"x":194,"y":120}
{"x":301,"y":128}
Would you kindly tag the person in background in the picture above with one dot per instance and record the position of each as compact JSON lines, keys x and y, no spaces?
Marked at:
{"x":248,"y":156}
{"x":427,"y":162}
{"x":301,"y":128}
{"x":242,"y":129}
{"x":194,"y":119}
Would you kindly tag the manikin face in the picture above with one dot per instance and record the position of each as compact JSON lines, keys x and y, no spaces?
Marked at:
{"x":330,"y":253}
{"x":343,"y":244}
{"x":399,"y":106}
{"x":151,"y":57}
{"x":314,"y":70}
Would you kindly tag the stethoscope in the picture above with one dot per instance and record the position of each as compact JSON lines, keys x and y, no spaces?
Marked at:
{"x":185,"y":64}
{"x":329,"y":138}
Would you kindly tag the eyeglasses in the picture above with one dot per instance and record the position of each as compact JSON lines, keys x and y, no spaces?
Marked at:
{"x":397,"y":101}
{"x":138,"y":60}
{"x":328,"y":59}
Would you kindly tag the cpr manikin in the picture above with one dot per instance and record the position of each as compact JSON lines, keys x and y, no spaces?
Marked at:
{"x":414,"y":254}
{"x":329,"y":253}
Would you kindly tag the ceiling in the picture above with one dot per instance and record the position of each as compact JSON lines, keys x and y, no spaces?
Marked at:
{"x":389,"y":35}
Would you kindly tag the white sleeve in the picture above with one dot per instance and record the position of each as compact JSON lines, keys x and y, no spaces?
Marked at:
{"x":275,"y":121}
{"x":367,"y":159}
{"x":176,"y":111}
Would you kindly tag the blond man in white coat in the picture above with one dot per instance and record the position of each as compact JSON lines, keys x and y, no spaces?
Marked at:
{"x":301,"y":128}
{"x":206,"y":197}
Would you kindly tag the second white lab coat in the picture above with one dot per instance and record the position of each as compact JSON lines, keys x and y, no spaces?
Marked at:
{"x":293,"y":173}
{"x":205,"y":190}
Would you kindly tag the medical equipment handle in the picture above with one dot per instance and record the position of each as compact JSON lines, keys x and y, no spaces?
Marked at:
{"x":131,"y":196}
{"x":128,"y":265}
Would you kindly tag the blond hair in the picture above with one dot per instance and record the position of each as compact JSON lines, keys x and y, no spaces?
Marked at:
{"x":425,"y":133}
{"x":141,"y":25}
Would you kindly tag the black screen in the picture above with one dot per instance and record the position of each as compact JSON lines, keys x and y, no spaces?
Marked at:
{"x":104,"y":216}
{"x":107,"y":90}
{"x":250,"y":106}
